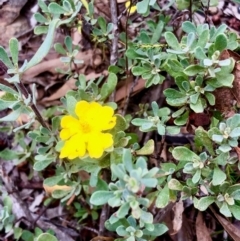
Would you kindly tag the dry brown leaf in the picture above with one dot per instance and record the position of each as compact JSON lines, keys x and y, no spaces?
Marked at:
{"x":69,"y":85}
{"x":225,"y":97}
{"x":233,"y":231}
{"x":201,"y":230}
{"x":123,"y":91}
{"x":102,"y":238}
{"x":50,"y":189}
{"x":52,"y":64}
{"x":177,"y":220}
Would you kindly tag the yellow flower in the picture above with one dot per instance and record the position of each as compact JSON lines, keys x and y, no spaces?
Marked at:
{"x":85,"y":134}
{"x":133,"y":8}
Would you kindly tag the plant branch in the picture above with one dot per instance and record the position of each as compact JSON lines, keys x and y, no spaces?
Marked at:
{"x":114,"y":49}
{"x":25,"y":93}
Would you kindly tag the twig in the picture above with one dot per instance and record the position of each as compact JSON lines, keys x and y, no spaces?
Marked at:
{"x":114,"y":49}
{"x":190,"y":11}
{"x":128,"y":95}
{"x":105,"y":210}
{"x":33,"y":106}
{"x":206,"y":12}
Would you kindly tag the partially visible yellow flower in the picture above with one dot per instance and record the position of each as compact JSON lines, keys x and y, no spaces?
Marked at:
{"x":85,"y":135}
{"x":133,"y":8}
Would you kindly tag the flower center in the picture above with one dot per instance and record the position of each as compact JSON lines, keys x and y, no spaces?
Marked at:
{"x":86,"y":128}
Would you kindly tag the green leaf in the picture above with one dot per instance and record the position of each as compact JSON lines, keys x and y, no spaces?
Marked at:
{"x":68,"y":44}
{"x":109,"y":86}
{"x":127,"y":160}
{"x":38,"y":30}
{"x":14,"y":114}
{"x":8,"y":154}
{"x":40,"y":18}
{"x":51,"y":181}
{"x":71,"y":105}
{"x":147,"y":149}
{"x":211,"y":98}
{"x":192,"y":70}
{"x":46,"y":45}
{"x":138,"y":70}
{"x":158,"y":32}
{"x":159,"y":229}
{"x":218,"y":176}
{"x":188,"y":27}
{"x":101,"y":197}
{"x":203,"y":39}
{"x":199,"y":53}
{"x":46,"y":237}
{"x":55,"y":8}
{"x":203,"y":203}
{"x":173,"y":130}
{"x":43,"y":6}
{"x":221,"y":42}
{"x":142,"y":7}
{"x":174,"y":184}
{"x":123,"y":210}
{"x":235,"y":210}
{"x":41,"y":165}
{"x":59,"y":49}
{"x":172,"y":41}
{"x":202,"y":139}
{"x":225,"y":210}
{"x":199,"y":106}
{"x":163,"y":197}
{"x":182,"y":153}
{"x":13,"y":46}
{"x":5,"y":59}
{"x":182,"y":120}
{"x":102,"y":24}
{"x":196,"y":177}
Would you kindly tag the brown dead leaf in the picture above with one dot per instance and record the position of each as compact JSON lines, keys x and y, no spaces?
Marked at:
{"x":52,"y":64}
{"x":227,"y":97}
{"x":102,"y":238}
{"x":50,"y":189}
{"x":177,"y":220}
{"x":201,"y":229}
{"x":233,"y":231}
{"x":123,"y":91}
{"x":69,"y":85}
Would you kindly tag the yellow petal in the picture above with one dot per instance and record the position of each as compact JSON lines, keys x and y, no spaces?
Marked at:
{"x":97,"y":143}
{"x":66,"y":120}
{"x":65,"y":134}
{"x":81,"y":108}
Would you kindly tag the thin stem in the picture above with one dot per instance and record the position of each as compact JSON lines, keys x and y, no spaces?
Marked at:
{"x":114,"y":49}
{"x":25,"y":93}
{"x":190,"y":11}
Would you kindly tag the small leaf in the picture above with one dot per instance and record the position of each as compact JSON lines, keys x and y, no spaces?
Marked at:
{"x":163,"y":197}
{"x":55,"y":8}
{"x":174,"y":184}
{"x":218,"y":176}
{"x":142,"y":7}
{"x":182,"y":153}
{"x":59,"y":49}
{"x":203,"y":203}
{"x":188,"y":27}
{"x":101,"y":197}
{"x":147,"y":149}
{"x":221,"y":42}
{"x":13,"y":46}
{"x":123,"y":210}
{"x":172,"y":41}
{"x":194,"y":70}
{"x":4,"y":58}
